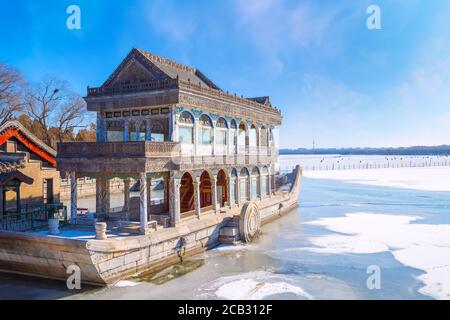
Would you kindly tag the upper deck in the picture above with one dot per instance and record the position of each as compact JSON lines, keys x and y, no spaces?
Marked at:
{"x":146,"y":156}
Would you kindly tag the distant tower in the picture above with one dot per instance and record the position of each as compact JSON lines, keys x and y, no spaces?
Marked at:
{"x":314,"y":144}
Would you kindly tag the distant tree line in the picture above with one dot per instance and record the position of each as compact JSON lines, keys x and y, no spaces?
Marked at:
{"x":49,"y":108}
{"x":403,"y":151}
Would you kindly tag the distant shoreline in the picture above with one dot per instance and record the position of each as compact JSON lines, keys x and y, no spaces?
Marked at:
{"x":443,"y":150}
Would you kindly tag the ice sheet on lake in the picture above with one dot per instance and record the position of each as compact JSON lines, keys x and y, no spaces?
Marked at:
{"x":427,"y":178}
{"x":254,"y":286}
{"x":421,"y":246}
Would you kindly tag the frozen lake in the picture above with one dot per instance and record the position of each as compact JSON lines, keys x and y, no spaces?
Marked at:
{"x":322,"y":250}
{"x":339,"y":162}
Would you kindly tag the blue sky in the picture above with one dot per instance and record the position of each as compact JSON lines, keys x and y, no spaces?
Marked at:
{"x":336,"y":82}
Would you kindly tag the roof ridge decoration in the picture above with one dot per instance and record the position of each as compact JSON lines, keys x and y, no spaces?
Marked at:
{"x":13,"y":128}
{"x":155,"y":58}
{"x":160,"y":68}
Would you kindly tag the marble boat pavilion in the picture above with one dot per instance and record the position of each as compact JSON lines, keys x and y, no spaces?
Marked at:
{"x":158,"y":119}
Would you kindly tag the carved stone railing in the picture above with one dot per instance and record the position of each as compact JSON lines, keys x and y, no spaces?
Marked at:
{"x":187,"y":85}
{"x":201,"y":162}
{"x":135,"y":87}
{"x":117,"y":149}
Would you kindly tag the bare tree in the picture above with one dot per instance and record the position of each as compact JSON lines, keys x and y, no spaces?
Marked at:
{"x":55,"y":108}
{"x":11,"y":101}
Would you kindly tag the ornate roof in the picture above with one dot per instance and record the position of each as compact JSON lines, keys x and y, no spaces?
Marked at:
{"x":262,"y":100}
{"x":141,"y":65}
{"x":8,"y":165}
{"x":14,"y":128}
{"x":14,"y":175}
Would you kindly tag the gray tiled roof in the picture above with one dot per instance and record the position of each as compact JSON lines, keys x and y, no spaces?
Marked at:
{"x":8,"y":165}
{"x":174,"y":69}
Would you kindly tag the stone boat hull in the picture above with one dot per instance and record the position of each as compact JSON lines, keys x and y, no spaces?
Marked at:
{"x":103,"y":262}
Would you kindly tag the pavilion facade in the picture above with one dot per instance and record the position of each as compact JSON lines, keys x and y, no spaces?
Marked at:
{"x":158,"y":120}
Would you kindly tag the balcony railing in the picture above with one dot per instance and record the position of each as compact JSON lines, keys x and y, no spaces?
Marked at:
{"x":117,"y":149}
{"x":135,"y":87}
{"x":32,"y":217}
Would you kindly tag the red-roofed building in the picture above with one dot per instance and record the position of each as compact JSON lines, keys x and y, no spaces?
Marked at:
{"x":28,"y":174}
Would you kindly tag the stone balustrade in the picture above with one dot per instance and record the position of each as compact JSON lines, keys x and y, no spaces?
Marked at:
{"x":139,"y":149}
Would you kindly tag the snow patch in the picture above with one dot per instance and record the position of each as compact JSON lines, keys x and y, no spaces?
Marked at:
{"x":421,"y":246}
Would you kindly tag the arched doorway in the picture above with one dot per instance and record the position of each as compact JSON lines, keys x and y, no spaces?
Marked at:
{"x":186,"y":193}
{"x":243,"y":185}
{"x":205,"y":190}
{"x":222,"y":188}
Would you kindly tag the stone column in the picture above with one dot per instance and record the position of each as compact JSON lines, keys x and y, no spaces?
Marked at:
{"x":196,"y":133}
{"x":106,"y":195}
{"x":98,"y":194}
{"x":143,"y":203}
{"x":230,"y":203}
{"x":238,"y":190}
{"x":213,"y":138}
{"x":148,"y":130}
{"x":73,"y":197}
{"x":166,"y":191}
{"x":269,"y":184}
{"x":248,"y":196}
{"x":102,"y":194}
{"x":149,"y":194}
{"x":175,"y":202}
{"x":260,"y":186}
{"x":126,"y":196}
{"x":273,"y":183}
{"x":214,"y":194}
{"x":236,"y":147}
{"x":99,"y":131}
{"x":104,"y":130}
{"x":197,"y":201}
{"x":126,"y":133}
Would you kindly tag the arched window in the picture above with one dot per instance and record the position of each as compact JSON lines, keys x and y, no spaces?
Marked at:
{"x":221,"y":132}
{"x":186,"y":118}
{"x":255,"y":192}
{"x":241,"y":143}
{"x":252,"y":137}
{"x":157,"y":132}
{"x":186,"y":128}
{"x":205,"y":129}
{"x":221,"y":123}
{"x":243,"y":185}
